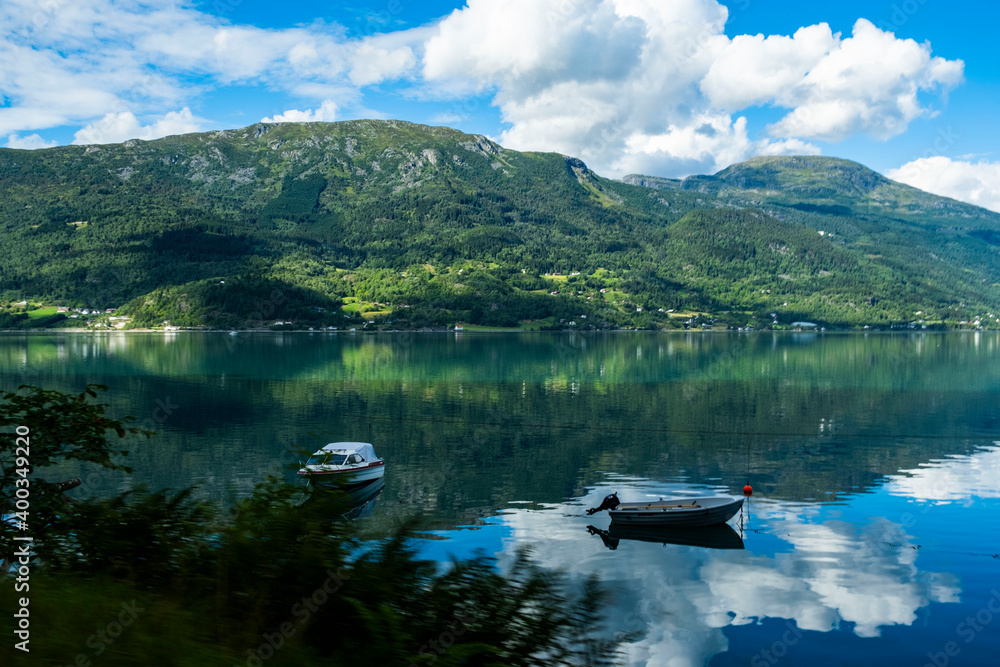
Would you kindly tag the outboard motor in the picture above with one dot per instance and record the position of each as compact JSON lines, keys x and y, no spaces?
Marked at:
{"x":609,"y":542}
{"x":62,"y":487}
{"x":609,"y":503}
{"x":68,"y":484}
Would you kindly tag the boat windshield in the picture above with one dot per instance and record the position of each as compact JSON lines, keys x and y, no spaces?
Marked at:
{"x":327,"y":459}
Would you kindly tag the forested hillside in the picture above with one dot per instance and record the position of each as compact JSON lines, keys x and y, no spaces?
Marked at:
{"x":325,"y":224}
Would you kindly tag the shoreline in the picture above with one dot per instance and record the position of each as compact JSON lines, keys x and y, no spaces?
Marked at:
{"x":493,"y":331}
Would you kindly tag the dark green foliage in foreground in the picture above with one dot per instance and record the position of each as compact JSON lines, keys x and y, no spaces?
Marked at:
{"x":39,"y":429}
{"x":282,"y":575}
{"x":99,"y":537}
{"x":163,"y":579}
{"x":401,"y":216}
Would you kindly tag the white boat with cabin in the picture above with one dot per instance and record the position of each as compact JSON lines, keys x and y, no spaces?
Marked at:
{"x":345,"y":463}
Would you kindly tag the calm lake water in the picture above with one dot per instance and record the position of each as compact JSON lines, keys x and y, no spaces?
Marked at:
{"x":872,"y":536}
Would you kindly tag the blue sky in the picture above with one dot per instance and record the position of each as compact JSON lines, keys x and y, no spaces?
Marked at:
{"x":663,"y":87}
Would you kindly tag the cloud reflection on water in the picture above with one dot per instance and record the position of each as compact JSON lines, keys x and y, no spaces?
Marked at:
{"x":822,"y":573}
{"x":955,"y":478}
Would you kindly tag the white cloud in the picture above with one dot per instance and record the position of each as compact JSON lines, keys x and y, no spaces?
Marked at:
{"x":787,"y":147}
{"x":708,"y":144}
{"x":245,"y":53}
{"x":661,"y":93}
{"x":101,"y":63}
{"x":973,"y":182}
{"x":326,"y":112}
{"x":753,"y":69}
{"x":523,"y":39}
{"x":30,"y":142}
{"x":623,"y":84}
{"x":868,"y":83}
{"x":370,"y":64}
{"x":118,"y":127}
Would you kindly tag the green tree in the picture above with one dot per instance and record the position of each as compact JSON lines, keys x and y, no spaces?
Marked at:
{"x":41,"y":428}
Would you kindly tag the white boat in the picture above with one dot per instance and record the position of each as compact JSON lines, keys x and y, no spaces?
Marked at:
{"x":345,"y":463}
{"x":690,"y":512}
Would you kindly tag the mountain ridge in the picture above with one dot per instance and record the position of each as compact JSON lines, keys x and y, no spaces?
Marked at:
{"x":415,"y":225}
{"x":752,"y":174}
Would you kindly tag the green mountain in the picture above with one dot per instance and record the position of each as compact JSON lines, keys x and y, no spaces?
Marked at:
{"x":328,"y":223}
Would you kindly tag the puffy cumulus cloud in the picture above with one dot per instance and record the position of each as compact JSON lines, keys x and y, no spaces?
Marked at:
{"x":326,"y":112}
{"x":753,"y":69}
{"x":584,"y":77}
{"x":710,"y":143}
{"x":121,"y":126}
{"x":533,"y":45}
{"x":641,"y":84}
{"x":868,"y":83}
{"x":624,"y":84}
{"x":30,"y":142}
{"x":973,"y":182}
{"x":835,"y":87}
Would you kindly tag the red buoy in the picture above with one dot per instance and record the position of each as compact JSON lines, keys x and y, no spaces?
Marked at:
{"x":748,"y":490}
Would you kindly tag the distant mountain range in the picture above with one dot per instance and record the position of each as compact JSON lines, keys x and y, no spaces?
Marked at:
{"x":325,"y":224}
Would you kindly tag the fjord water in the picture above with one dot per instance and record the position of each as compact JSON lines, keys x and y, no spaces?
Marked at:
{"x":871,"y":537}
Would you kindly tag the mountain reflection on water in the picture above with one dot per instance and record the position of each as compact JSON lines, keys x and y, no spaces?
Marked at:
{"x":871,"y":537}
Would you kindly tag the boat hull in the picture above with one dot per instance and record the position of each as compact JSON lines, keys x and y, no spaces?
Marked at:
{"x":719,"y":536}
{"x":346,"y":476}
{"x":687,"y":512}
